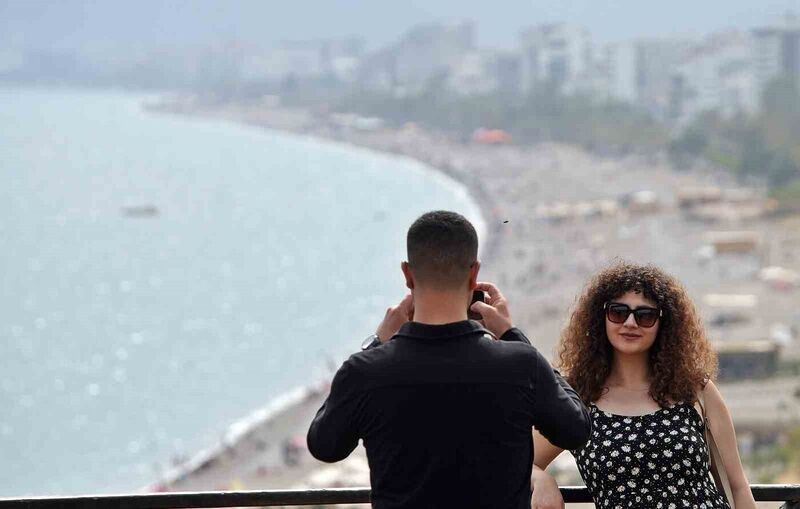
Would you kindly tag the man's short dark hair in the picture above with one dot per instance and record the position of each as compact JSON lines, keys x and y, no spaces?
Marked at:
{"x":442,"y":246}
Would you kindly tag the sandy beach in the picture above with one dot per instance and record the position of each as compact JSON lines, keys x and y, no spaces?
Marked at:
{"x":539,"y":255}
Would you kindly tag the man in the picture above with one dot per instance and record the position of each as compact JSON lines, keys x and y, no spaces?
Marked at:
{"x":445,"y":410}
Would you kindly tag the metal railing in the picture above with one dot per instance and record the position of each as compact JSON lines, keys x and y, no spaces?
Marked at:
{"x":789,"y":494}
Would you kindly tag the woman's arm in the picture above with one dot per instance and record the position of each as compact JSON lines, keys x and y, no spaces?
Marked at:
{"x":721,"y":425}
{"x":546,"y":494}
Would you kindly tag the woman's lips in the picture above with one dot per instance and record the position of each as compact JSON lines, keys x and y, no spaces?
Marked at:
{"x":630,"y":336}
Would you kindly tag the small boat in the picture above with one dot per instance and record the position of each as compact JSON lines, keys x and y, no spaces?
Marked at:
{"x":140,"y":211}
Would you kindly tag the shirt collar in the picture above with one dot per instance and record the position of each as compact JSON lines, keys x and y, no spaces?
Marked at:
{"x":444,"y":331}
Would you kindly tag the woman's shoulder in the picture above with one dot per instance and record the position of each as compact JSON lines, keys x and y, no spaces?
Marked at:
{"x":711,"y":396}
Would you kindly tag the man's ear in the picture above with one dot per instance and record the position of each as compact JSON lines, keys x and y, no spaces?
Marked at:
{"x":473,"y":274}
{"x":408,"y":275}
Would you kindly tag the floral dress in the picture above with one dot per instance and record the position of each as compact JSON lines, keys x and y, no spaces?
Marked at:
{"x":653,"y":461}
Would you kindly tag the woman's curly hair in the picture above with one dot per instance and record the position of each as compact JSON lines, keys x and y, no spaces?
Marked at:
{"x":681,"y":358}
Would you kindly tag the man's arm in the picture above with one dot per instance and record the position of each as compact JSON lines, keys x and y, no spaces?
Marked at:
{"x":333,"y":433}
{"x":560,"y":415}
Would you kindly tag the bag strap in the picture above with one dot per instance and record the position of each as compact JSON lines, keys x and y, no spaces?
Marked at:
{"x":717,"y":465}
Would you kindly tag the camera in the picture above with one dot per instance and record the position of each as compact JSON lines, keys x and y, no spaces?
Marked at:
{"x":477,"y":295}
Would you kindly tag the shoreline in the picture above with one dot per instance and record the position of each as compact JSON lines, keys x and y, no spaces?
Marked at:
{"x":540,"y":262}
{"x":247,"y":429}
{"x":485,"y":204}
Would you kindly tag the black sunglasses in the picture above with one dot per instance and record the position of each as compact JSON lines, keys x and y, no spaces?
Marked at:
{"x":644,"y":316}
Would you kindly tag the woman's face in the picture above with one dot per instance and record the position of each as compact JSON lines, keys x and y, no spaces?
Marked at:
{"x":629,"y":337}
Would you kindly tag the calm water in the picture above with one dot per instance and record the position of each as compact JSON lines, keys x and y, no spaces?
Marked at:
{"x":126,"y":340}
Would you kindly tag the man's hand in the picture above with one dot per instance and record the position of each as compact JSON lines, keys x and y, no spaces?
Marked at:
{"x":395,"y":317}
{"x":494,"y":310}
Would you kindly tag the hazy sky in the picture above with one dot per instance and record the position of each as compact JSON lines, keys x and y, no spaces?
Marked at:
{"x":81,"y":23}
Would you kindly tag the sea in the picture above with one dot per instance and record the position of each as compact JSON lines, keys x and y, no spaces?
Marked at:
{"x":162,"y":277}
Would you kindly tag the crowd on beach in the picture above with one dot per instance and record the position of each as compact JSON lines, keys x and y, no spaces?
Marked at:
{"x":539,"y":257}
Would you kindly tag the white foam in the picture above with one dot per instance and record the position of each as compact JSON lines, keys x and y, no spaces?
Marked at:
{"x":241,"y":429}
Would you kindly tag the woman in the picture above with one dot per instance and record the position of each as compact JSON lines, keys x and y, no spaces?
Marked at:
{"x":636,"y":353}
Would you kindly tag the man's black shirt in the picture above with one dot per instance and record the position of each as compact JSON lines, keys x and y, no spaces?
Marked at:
{"x":445,"y":413}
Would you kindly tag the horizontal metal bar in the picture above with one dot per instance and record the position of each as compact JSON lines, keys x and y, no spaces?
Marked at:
{"x":776,"y":492}
{"x":196,"y":499}
{"x":273,"y":498}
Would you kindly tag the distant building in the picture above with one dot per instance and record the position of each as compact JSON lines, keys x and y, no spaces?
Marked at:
{"x":298,"y":60}
{"x":717,"y":75}
{"x":482,"y":72}
{"x":335,"y":59}
{"x":557,"y":55}
{"x":341,"y":57}
{"x":777,"y":50}
{"x":738,"y":89}
{"x":472,"y":74}
{"x":638,"y":72}
{"x":615,"y":74}
{"x":656,"y":62}
{"x":728,"y":72}
{"x":508,"y":69}
{"x":420,"y":59}
{"x":376,"y":71}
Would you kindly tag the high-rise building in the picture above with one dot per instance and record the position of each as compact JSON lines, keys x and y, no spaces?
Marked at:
{"x":777,"y":50}
{"x":717,"y":75}
{"x":485,"y":72}
{"x":656,"y":62}
{"x":638,"y":72}
{"x":557,"y":55}
{"x":616,"y":72}
{"x":420,"y":59}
